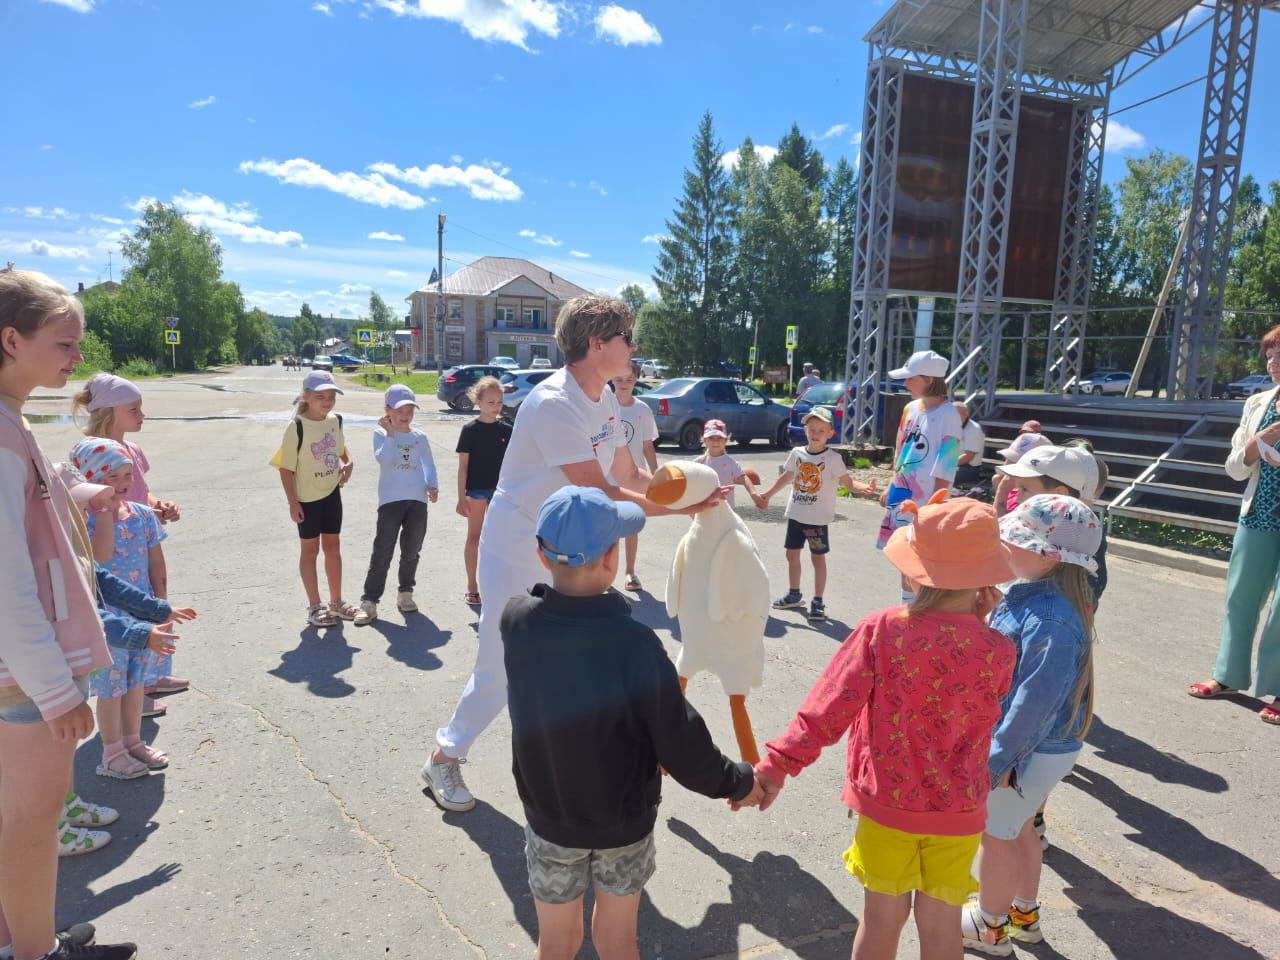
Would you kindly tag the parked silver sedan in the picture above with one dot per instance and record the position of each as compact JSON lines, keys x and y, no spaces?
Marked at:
{"x":517,"y":385}
{"x":683,"y":405}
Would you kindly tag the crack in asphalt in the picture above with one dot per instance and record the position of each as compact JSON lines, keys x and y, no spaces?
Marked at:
{"x":382,"y":847}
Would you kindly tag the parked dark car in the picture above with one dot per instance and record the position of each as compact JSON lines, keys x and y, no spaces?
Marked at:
{"x":1247,"y":386}
{"x":828,"y":395}
{"x":722,"y":368}
{"x":456,"y":381}
{"x":344,"y":361}
{"x":683,"y":405}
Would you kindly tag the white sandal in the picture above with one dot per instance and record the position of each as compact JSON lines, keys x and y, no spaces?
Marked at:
{"x":318,"y":615}
{"x":344,"y":609}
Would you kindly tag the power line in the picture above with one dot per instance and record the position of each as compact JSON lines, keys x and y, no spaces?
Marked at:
{"x":1181,"y":86}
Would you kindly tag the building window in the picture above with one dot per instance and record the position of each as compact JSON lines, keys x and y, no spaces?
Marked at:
{"x":533,"y":317}
{"x":455,"y":309}
{"x":504,"y":314}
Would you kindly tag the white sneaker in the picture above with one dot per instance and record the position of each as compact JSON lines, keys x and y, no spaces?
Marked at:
{"x":73,"y":841}
{"x":405,"y":602}
{"x":977,"y":934}
{"x":368,"y":613}
{"x":444,"y":780}
{"x":78,"y":812}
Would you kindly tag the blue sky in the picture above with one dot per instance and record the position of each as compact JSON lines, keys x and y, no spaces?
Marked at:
{"x":319,"y":140}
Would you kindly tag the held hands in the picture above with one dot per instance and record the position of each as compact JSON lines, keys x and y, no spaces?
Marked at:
{"x":160,"y":640}
{"x":760,"y":500}
{"x":752,"y":799}
{"x":167,"y":511}
{"x":763,"y":793}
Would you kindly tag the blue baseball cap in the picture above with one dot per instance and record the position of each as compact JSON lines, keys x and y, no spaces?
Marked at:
{"x":579,"y":524}
{"x":399,"y":395}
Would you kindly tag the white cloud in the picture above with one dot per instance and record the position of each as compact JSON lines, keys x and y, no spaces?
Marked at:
{"x":545,"y":239}
{"x":350,"y":288}
{"x":765,"y":153}
{"x":1121,"y":137}
{"x":103,"y":218}
{"x":322,"y":8}
{"x":482,"y":182}
{"x":372,"y":188}
{"x":201,"y":104}
{"x":46,"y":146}
{"x":383,"y":235}
{"x":455,"y":158}
{"x":79,"y":6}
{"x":813,"y":28}
{"x":579,"y":254}
{"x":835,"y":130}
{"x":44,"y":213}
{"x":616,"y":24}
{"x":593,"y":185}
{"x":396,"y":273}
{"x":39,"y":248}
{"x":503,"y":21}
{"x":654,"y":238}
{"x":236,"y":222}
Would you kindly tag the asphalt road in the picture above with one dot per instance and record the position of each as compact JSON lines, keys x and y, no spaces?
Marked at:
{"x":291,"y":822}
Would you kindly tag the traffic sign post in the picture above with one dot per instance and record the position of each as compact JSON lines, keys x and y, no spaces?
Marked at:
{"x":364,"y":337}
{"x":792,"y":337}
{"x":172,"y":337}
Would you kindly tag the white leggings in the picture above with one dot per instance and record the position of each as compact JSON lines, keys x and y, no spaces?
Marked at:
{"x":505,"y":571}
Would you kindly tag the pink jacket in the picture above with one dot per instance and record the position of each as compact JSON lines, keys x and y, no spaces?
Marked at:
{"x":52,"y":632}
{"x":919,"y":696}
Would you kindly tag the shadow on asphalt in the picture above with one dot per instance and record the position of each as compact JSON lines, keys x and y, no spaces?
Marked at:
{"x":321,"y":654}
{"x":1178,"y":841}
{"x":502,"y":840}
{"x":769,"y":892}
{"x":1118,"y":747}
{"x":1130,"y":926}
{"x":411,"y":642}
{"x":81,"y":895}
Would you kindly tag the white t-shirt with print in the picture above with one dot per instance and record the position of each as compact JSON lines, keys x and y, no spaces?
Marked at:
{"x":928,"y":447}
{"x":813,"y":488}
{"x":727,"y":469}
{"x":638,"y":426}
{"x":557,"y":424}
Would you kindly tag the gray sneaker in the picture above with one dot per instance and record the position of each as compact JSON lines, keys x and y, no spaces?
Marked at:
{"x":368,"y":613}
{"x":444,"y":780}
{"x":405,"y":602}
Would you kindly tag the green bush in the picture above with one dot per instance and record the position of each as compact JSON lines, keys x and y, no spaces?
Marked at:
{"x":96,"y":353}
{"x":137,"y":367}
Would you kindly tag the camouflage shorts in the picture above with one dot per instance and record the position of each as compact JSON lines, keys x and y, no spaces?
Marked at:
{"x":560,"y":874}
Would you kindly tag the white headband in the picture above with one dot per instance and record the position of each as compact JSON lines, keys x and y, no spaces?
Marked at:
{"x":108,"y":390}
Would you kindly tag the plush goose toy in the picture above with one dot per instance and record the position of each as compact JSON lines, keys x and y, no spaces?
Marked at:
{"x":718,"y":590}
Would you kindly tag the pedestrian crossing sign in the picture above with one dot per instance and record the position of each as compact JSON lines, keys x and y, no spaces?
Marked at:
{"x":791,"y":337}
{"x":172,"y":337}
{"x":364,"y":337}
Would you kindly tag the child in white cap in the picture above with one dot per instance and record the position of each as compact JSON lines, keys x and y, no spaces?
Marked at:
{"x":1044,"y":717}
{"x":406,"y":483}
{"x":314,"y":464}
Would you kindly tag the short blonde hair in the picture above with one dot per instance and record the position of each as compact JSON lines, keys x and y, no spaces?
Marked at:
{"x":29,"y":300}
{"x":483,"y":386}
{"x":585,"y":317}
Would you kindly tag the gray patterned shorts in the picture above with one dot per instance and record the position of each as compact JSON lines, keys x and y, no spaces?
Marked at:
{"x":560,"y":874}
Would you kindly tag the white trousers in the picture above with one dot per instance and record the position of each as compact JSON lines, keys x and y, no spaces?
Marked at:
{"x":507,"y":567}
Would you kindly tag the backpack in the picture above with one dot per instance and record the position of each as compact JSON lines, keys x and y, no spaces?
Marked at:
{"x":297,"y":422}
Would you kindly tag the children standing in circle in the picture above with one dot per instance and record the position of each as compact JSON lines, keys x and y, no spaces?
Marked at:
{"x":48,"y":649}
{"x":927,"y":450}
{"x":114,"y":408}
{"x":641,"y":433}
{"x":1044,"y":716}
{"x":481,"y":446}
{"x":126,"y":540}
{"x":919,"y":815}
{"x":314,"y":464}
{"x":812,"y":506}
{"x":406,"y":482}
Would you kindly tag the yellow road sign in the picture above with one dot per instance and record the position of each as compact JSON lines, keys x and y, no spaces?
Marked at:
{"x":791,"y":337}
{"x":364,"y":337}
{"x":173,"y":338}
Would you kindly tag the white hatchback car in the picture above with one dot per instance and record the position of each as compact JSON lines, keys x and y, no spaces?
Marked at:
{"x":540,"y":363}
{"x":517,"y":384}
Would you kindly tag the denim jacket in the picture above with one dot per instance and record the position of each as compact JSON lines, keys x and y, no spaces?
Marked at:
{"x":1036,"y":714}
{"x":131,"y":630}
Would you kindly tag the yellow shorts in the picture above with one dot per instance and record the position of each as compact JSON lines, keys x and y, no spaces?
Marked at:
{"x":891,"y":862}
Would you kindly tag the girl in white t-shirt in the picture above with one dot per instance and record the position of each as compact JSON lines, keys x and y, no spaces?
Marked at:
{"x":640,"y":431}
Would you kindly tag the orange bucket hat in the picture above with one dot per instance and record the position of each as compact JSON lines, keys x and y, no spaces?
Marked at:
{"x":951,"y":544}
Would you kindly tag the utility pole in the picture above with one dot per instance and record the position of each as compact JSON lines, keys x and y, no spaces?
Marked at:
{"x":440,"y":294}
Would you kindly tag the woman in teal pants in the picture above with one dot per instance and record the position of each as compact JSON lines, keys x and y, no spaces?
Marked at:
{"x":1255,"y":554}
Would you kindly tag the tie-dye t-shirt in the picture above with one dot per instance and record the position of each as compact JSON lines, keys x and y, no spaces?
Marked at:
{"x":928,"y":447}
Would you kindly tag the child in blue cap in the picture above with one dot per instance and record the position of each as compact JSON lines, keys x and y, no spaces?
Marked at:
{"x":596,"y":715}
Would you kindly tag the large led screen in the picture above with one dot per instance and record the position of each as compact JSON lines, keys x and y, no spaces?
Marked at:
{"x":933,"y":161}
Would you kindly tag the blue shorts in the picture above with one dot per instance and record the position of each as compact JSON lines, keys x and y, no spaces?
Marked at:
{"x":26,"y":711}
{"x":480,"y":493}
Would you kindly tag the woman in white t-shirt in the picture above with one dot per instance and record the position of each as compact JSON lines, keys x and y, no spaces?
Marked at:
{"x":568,"y":431}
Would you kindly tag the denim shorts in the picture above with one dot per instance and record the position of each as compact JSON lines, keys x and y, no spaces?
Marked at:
{"x":561,"y":874}
{"x":26,"y":711}
{"x":480,"y":493}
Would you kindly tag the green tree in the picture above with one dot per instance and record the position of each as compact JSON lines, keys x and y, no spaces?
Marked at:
{"x":803,"y":157}
{"x":256,"y":339}
{"x":633,"y":296}
{"x":305,"y":332}
{"x":693,"y":269}
{"x":175,"y":269}
{"x":1152,"y":197}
